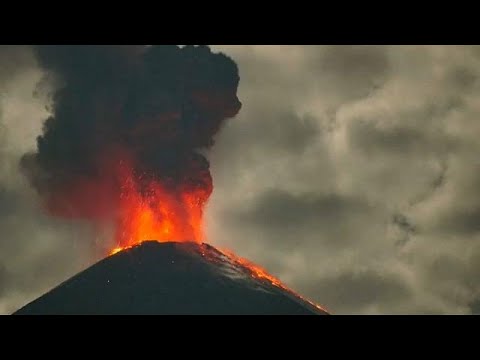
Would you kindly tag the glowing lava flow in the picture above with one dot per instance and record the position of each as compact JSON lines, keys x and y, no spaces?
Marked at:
{"x":259,"y":273}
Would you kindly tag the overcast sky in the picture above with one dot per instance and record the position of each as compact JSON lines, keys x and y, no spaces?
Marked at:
{"x":351,"y":172}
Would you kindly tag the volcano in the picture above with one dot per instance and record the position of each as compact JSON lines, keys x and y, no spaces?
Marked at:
{"x":166,"y":279}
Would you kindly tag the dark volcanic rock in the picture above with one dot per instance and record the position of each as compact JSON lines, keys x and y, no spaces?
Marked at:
{"x":168,"y":278}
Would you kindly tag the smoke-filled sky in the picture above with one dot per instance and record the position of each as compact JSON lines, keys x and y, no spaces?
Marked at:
{"x":350,"y":172}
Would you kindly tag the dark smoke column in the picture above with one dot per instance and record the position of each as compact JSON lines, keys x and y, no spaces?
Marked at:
{"x":124,"y":115}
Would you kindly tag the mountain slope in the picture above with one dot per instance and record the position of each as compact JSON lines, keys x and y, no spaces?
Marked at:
{"x":168,"y":278}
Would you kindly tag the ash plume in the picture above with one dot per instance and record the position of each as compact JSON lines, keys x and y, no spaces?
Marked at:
{"x":158,"y":106}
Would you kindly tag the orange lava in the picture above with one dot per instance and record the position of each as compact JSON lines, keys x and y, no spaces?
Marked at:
{"x":116,"y":250}
{"x":257,"y":272}
{"x":148,"y":211}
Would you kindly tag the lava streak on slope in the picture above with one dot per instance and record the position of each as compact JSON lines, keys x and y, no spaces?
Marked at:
{"x":169,"y":278}
{"x":245,"y":266}
{"x":259,"y":273}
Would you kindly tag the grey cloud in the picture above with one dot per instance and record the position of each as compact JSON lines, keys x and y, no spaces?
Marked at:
{"x":36,"y":253}
{"x":14,"y":58}
{"x":411,"y":134}
{"x":278,"y":209}
{"x":463,"y":78}
{"x":445,"y":269}
{"x":453,"y":276}
{"x":461,"y":221}
{"x":279,"y":132}
{"x":4,"y":277}
{"x":368,"y":137}
{"x":404,"y":223}
{"x":475,"y":307}
{"x":352,"y":71}
{"x":406,"y":227}
{"x":8,"y":201}
{"x":359,"y":290}
{"x":354,"y":61}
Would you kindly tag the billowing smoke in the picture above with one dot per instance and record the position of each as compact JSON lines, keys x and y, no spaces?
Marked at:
{"x":155,"y":108}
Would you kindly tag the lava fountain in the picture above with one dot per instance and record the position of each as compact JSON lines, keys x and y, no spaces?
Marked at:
{"x":150,"y":210}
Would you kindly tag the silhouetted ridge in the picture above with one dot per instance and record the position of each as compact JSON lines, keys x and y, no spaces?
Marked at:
{"x":167,"y":278}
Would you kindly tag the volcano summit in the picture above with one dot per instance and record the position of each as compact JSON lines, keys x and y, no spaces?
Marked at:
{"x":124,"y":147}
{"x":171,"y":278}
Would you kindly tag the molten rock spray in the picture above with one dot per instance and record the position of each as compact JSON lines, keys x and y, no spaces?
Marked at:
{"x":124,"y":141}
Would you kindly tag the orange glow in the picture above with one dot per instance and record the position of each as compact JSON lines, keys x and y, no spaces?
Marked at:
{"x":116,"y":250}
{"x":257,"y":272}
{"x":148,"y":211}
